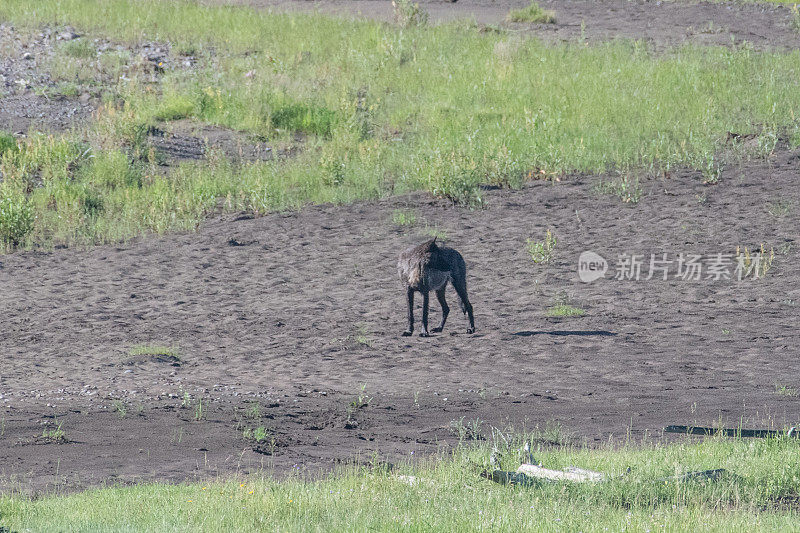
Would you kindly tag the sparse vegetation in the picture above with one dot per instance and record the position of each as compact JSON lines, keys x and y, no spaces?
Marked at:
{"x":754,"y":264}
{"x":7,"y":142}
{"x":408,"y":128}
{"x":469,"y":430}
{"x":437,"y":232}
{"x":756,"y":493}
{"x":16,"y":218}
{"x":362,"y":400}
{"x":362,"y":336}
{"x":625,"y":186}
{"x":155,"y":349}
{"x":786,"y":390}
{"x":564,"y":310}
{"x":408,"y":14}
{"x":542,"y":252}
{"x":254,"y":411}
{"x":795,"y":9}
{"x":79,"y":49}
{"x":258,"y":434}
{"x":532,"y":13}
{"x":779,"y":208}
{"x":404,"y":217}
{"x":55,"y":435}
{"x":561,"y":308}
{"x":120,"y":407}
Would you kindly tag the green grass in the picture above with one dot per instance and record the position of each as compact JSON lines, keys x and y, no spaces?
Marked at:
{"x":541,"y":252}
{"x":786,"y":390}
{"x":626,"y":187}
{"x":7,"y":142}
{"x":759,"y":494}
{"x":55,"y":435}
{"x":378,"y":109}
{"x":532,"y":13}
{"x":155,"y":349}
{"x":563,"y":310}
{"x":404,"y":217}
{"x":79,"y":49}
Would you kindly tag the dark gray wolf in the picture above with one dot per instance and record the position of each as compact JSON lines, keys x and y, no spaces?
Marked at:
{"x":428,"y":267}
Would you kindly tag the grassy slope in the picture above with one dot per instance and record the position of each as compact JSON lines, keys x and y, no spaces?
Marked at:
{"x":383,"y":109}
{"x":768,"y":479}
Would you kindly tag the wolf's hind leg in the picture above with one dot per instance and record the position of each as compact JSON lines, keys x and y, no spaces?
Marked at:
{"x":425,"y":301}
{"x":461,"y":288}
{"x":410,"y":298}
{"x":445,"y":309}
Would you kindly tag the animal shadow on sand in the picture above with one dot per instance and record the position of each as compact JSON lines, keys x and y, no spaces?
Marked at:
{"x":567,"y":333}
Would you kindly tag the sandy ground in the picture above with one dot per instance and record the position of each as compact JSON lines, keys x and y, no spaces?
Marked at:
{"x":293,"y":313}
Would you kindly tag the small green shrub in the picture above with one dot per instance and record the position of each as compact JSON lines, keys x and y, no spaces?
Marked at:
{"x":16,"y":219}
{"x":259,"y":434}
{"x":542,"y":251}
{"x":532,"y":13}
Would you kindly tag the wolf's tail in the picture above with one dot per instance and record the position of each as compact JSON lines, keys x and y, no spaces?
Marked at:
{"x":415,"y":276}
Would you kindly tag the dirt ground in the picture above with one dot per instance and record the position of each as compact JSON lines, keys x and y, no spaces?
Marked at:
{"x":279,"y":321}
{"x":294,"y":312}
{"x":663,"y":24}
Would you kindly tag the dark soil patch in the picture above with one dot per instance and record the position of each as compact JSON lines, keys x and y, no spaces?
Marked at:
{"x":306,"y":308}
{"x":661,"y":23}
{"x":185,"y":140}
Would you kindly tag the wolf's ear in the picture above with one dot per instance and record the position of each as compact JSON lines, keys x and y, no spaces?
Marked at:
{"x":433,"y":242}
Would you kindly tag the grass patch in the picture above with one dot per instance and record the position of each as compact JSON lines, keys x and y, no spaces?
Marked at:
{"x":56,"y":435}
{"x":541,"y":252}
{"x":795,"y":17}
{"x":174,"y":108}
{"x":404,"y":217}
{"x":786,"y":390}
{"x":627,"y":188}
{"x":563,"y":310}
{"x":79,"y":49}
{"x":756,"y":263}
{"x":448,"y":494}
{"x":304,"y":118}
{"x":379,"y":109}
{"x":7,"y":142}
{"x":258,"y":434}
{"x":779,"y":208}
{"x":532,"y":13}
{"x":408,"y":14}
{"x":155,"y":349}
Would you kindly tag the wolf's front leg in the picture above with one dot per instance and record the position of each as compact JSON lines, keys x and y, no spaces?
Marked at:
{"x":424,"y":332}
{"x":410,"y":298}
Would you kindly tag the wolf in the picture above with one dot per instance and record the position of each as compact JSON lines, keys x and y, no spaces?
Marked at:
{"x":428,"y":267}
